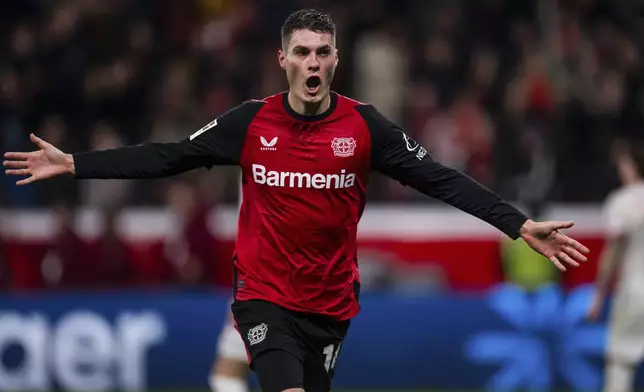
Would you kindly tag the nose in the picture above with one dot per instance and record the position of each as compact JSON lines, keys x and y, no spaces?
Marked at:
{"x":313,"y":62}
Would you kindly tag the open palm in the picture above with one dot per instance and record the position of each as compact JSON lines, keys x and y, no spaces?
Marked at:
{"x":545,"y":238}
{"x":45,"y":163}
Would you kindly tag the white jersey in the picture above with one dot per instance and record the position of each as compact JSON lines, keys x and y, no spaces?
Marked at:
{"x":230,"y":344}
{"x":624,"y":215}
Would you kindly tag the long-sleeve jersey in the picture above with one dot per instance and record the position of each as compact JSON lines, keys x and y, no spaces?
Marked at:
{"x":304,"y":180}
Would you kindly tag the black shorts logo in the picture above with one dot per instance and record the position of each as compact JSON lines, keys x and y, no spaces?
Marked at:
{"x":257,"y":334}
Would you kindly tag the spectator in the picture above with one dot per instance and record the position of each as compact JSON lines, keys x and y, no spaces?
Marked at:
{"x":190,"y":247}
{"x":64,"y":265}
{"x":103,"y":194}
{"x":110,"y":255}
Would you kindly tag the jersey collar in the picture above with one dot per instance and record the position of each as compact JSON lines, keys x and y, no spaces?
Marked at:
{"x":317,"y":117}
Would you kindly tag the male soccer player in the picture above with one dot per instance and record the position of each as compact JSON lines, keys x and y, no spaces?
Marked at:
{"x":305,"y":156}
{"x":624,"y":251}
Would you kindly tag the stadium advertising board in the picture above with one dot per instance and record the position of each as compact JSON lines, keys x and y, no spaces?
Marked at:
{"x":506,"y":339}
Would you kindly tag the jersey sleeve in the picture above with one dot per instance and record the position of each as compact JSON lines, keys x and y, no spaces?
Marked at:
{"x":396,"y":155}
{"x":220,"y":142}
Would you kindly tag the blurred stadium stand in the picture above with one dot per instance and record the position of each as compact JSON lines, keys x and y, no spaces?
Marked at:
{"x":493,"y":87}
{"x":526,"y":97}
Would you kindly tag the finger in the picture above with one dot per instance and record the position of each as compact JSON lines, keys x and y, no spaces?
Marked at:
{"x":566,"y":259}
{"x":561,"y":225}
{"x":556,"y":262}
{"x":19,"y":156}
{"x":15,"y":164}
{"x":574,"y":253}
{"x":26,"y":181}
{"x":20,"y":172}
{"x":38,"y":141}
{"x":576,"y":244}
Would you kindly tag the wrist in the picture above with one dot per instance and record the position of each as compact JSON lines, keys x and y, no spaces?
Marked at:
{"x":526,"y":227}
{"x":69,"y":164}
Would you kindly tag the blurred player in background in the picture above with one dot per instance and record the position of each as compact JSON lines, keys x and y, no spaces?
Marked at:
{"x":624,"y":255}
{"x":229,"y":372}
{"x":306,"y":156}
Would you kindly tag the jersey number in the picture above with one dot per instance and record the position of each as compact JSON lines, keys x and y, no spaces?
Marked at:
{"x":331,"y":355}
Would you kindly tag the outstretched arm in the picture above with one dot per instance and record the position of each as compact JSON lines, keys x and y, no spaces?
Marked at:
{"x":609,"y":262}
{"x":398,"y":156}
{"x":38,"y":165}
{"x":218,"y":143}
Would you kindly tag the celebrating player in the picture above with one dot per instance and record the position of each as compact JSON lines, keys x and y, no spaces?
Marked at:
{"x":306,"y":155}
{"x":624,"y":252}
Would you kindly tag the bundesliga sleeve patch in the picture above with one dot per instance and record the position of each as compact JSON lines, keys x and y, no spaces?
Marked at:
{"x":212,"y":124}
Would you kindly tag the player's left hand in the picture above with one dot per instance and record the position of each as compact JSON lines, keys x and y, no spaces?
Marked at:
{"x":545,"y":238}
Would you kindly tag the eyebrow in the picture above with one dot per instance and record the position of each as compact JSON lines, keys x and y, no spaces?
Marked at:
{"x":301,"y":47}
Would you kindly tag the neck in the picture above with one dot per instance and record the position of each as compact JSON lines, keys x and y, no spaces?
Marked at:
{"x":629,"y":180}
{"x":309,"y":109}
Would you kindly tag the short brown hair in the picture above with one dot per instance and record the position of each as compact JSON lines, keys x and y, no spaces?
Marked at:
{"x":312,"y":19}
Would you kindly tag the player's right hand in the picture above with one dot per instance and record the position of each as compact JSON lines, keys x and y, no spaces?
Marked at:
{"x":45,"y":163}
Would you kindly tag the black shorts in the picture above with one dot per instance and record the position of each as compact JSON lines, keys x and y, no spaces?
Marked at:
{"x":289,"y":349}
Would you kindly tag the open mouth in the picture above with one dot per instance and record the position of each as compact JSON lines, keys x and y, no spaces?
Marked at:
{"x":313,"y":84}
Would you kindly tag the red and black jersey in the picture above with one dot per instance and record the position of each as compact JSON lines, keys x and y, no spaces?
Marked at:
{"x":304,"y":180}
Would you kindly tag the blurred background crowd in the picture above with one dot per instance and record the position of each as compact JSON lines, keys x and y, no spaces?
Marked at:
{"x":525,"y":96}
